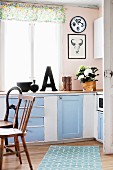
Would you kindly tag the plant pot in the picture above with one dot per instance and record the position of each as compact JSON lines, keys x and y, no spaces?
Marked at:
{"x":89,"y":86}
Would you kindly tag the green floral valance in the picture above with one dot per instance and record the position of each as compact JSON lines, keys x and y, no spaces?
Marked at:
{"x":31,"y":12}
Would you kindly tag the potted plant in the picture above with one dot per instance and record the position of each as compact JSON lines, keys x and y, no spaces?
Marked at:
{"x":87,"y":76}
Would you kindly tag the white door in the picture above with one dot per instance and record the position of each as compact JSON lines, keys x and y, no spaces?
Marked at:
{"x":108,"y":78}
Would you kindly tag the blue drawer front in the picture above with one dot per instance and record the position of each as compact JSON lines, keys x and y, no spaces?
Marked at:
{"x":37,"y":112}
{"x":32,"y":135}
{"x":34,"y":113}
{"x":12,"y":113}
{"x":35,"y":134}
{"x":39,"y":102}
{"x":15,"y":102}
{"x":36,"y":121}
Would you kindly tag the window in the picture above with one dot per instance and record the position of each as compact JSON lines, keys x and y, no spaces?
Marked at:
{"x":28,"y":49}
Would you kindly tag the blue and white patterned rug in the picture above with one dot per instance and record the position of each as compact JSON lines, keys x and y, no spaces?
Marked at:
{"x":71,"y":158}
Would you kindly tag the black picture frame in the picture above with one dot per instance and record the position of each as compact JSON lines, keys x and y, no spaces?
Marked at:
{"x":78,"y":24}
{"x":76,"y":46}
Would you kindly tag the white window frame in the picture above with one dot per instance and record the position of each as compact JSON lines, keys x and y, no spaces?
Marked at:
{"x":32,"y":55}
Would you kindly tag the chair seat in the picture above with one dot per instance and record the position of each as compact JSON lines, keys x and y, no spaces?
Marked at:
{"x":5,"y":124}
{"x":4,"y":132}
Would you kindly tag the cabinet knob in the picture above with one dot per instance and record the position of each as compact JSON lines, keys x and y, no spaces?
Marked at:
{"x":60,"y":97}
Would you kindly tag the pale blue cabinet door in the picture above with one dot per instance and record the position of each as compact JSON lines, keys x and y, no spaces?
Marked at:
{"x":100,"y":125}
{"x":70,"y":117}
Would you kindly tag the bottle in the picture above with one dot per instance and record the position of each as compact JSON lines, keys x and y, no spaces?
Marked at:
{"x":34,"y":87}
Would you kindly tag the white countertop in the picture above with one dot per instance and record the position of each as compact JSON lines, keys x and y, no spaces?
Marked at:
{"x":98,"y":91}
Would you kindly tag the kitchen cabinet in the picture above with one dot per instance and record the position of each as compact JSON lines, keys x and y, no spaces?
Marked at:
{"x":100,"y":125}
{"x":42,"y":124}
{"x":98,"y":38}
{"x":70,"y":117}
{"x":56,"y":117}
{"x":35,"y":127}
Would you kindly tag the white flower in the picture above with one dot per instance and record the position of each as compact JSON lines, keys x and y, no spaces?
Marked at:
{"x":87,"y":71}
{"x":80,"y":77}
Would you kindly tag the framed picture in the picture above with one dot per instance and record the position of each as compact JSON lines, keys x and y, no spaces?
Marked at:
{"x":76,"y":46}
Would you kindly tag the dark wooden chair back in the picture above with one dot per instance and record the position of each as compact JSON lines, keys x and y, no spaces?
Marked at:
{"x":6,"y":123}
{"x":12,"y":106}
{"x":27,"y":104}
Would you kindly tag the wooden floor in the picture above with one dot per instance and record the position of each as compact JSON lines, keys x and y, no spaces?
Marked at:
{"x":37,"y":152}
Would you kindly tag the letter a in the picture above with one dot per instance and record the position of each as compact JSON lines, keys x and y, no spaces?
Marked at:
{"x":49,"y":74}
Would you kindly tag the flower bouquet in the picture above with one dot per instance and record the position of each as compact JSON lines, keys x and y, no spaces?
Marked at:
{"x":87,"y":76}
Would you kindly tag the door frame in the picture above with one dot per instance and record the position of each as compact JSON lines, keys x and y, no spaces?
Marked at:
{"x":108,"y":80}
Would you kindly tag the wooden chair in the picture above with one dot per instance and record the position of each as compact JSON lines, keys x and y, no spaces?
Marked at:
{"x":16,"y":132}
{"x":6,"y":123}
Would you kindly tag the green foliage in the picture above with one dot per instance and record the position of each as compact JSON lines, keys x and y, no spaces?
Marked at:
{"x":86,"y":74}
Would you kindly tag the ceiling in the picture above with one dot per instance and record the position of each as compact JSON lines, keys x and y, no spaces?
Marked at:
{"x":83,"y":3}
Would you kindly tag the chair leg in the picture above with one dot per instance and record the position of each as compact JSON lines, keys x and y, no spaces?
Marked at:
{"x":1,"y":153}
{"x":26,"y":151}
{"x":6,"y":143}
{"x":17,"y":148}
